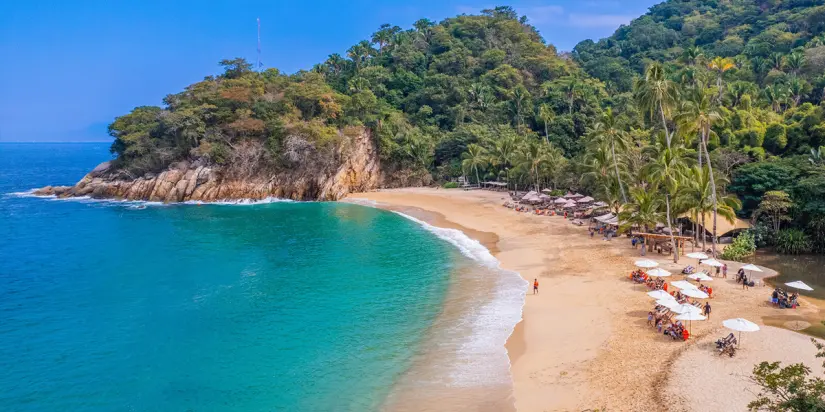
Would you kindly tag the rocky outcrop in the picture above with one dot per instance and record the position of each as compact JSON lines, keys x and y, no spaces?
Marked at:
{"x":358,"y":170}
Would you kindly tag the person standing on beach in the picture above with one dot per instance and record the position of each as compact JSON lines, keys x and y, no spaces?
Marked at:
{"x":535,"y":286}
{"x":707,"y":309}
{"x":725,"y":270}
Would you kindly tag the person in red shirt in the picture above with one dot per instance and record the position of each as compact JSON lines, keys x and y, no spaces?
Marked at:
{"x":685,"y":334}
{"x":535,"y":286}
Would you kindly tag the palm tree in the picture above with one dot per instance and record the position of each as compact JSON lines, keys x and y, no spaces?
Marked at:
{"x":597,"y":162}
{"x":644,"y":210}
{"x":817,"y":156}
{"x":777,"y":61}
{"x":656,"y":94}
{"x":760,"y":67}
{"x":519,"y":99}
{"x":481,"y":96}
{"x":546,"y":114}
{"x":607,"y":130}
{"x":384,"y":35}
{"x":774,"y":95}
{"x":796,"y":89}
{"x":503,"y":152}
{"x":720,"y":65}
{"x":692,"y":55}
{"x":532,"y":156}
{"x":694,"y":194}
{"x":473,"y":158}
{"x":697,"y":116}
{"x":668,"y":167}
{"x":795,"y":61}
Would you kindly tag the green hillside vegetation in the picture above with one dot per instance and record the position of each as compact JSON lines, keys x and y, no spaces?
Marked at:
{"x":696,"y":107}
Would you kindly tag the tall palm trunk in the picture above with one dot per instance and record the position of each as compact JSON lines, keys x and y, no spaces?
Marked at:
{"x":664,"y":124}
{"x":704,"y":237}
{"x":478,"y":181}
{"x":670,"y":228}
{"x":719,"y":85}
{"x":546,"y":133}
{"x":695,"y":233}
{"x":713,"y":196}
{"x":616,"y":166}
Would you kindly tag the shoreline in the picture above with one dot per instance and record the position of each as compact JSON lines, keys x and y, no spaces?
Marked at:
{"x":584,"y":347}
{"x":493,"y":394}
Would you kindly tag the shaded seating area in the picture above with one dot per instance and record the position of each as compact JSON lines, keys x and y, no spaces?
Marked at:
{"x":495,"y":186}
{"x":660,"y":242}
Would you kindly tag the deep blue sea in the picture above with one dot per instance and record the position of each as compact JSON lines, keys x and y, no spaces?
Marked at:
{"x":272,"y":307}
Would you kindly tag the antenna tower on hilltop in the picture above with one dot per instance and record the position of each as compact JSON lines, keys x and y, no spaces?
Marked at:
{"x":258,"y":65}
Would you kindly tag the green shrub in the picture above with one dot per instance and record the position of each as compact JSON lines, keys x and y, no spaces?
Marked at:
{"x":557,"y":193}
{"x":776,"y":138}
{"x":792,"y":242}
{"x":451,"y":185}
{"x":743,"y":246}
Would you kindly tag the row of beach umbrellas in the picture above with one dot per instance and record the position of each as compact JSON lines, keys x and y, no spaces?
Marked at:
{"x":687,"y":312}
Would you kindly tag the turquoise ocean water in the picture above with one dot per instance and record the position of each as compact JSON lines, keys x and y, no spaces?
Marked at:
{"x":282,"y":306}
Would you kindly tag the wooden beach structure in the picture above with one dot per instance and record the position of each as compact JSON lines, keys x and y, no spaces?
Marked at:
{"x":652,"y":239}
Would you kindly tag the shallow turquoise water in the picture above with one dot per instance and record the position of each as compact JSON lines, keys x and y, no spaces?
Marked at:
{"x":282,"y":306}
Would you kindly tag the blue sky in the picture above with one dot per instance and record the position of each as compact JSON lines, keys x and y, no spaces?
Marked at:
{"x":70,"y":67}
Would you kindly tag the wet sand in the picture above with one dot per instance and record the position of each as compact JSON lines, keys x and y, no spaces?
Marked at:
{"x":584,"y":342}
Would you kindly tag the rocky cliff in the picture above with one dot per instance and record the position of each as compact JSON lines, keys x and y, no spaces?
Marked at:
{"x":357,"y":169}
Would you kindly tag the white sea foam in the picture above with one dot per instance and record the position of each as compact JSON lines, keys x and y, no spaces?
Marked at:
{"x":362,"y":202}
{"x":140,"y":204}
{"x":481,"y":353}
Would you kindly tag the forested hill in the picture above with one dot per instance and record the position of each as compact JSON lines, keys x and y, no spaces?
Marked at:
{"x":424,"y":92}
{"x":769,"y":40}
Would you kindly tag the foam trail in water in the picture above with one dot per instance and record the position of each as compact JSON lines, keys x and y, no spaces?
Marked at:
{"x":481,"y":354}
{"x":144,"y":203}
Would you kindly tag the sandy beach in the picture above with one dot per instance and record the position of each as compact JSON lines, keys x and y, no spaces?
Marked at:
{"x":584,"y":342}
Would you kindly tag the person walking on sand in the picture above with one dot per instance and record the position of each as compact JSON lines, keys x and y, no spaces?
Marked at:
{"x":725,"y":270}
{"x":535,"y":286}
{"x":707,"y":309}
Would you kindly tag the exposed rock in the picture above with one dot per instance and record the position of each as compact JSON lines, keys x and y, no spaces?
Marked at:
{"x":359,"y":170}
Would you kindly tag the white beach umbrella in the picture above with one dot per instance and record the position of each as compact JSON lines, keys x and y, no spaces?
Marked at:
{"x":799,"y":285}
{"x":646,"y":263}
{"x":694,"y":293}
{"x":690,"y":317}
{"x":658,"y":272}
{"x":752,"y":267}
{"x":668,"y":303}
{"x":586,"y":199}
{"x":569,"y":195}
{"x":713,"y":262}
{"x":701,"y":277}
{"x":660,"y":294}
{"x":681,"y":284}
{"x":548,"y":191}
{"x":560,"y":201}
{"x":740,"y":325}
{"x":684,"y":308}
{"x":697,"y":255}
{"x":600,"y":204}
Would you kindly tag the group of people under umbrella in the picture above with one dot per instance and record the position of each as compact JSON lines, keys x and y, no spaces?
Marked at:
{"x":673,"y":310}
{"x":543,"y":202}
